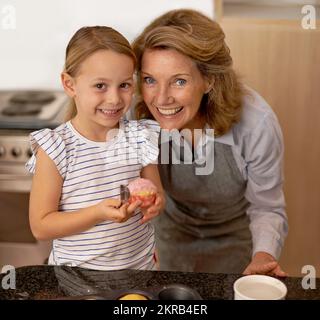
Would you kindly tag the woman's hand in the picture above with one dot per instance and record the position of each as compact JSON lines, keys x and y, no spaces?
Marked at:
{"x":111,"y":209}
{"x":155,"y":209}
{"x":264,"y":263}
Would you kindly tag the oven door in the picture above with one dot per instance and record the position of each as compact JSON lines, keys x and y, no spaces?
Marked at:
{"x":18,"y":247}
{"x":14,"y":179}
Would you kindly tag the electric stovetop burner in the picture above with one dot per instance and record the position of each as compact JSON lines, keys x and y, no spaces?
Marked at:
{"x":31,"y":109}
{"x":27,"y":103}
{"x":32,"y":97}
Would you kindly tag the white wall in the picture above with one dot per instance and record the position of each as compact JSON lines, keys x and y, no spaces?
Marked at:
{"x":34,"y":33}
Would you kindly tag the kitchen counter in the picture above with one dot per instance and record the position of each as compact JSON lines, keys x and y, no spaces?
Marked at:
{"x":51,"y":282}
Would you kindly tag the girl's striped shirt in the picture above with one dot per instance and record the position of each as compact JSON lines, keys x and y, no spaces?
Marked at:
{"x":93,"y":171}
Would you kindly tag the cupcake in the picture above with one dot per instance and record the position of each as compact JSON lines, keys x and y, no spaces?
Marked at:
{"x":143,"y":190}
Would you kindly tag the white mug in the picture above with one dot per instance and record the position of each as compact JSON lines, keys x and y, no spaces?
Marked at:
{"x":259,"y":287}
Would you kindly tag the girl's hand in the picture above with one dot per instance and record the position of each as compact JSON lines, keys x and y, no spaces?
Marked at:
{"x":111,"y":209}
{"x":264,"y":263}
{"x":155,"y":209}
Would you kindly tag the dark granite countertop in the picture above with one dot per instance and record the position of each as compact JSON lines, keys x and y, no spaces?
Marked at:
{"x":51,"y":282}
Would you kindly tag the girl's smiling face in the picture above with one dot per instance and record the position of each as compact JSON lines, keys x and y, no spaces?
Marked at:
{"x":172,"y":88}
{"x":102,"y":91}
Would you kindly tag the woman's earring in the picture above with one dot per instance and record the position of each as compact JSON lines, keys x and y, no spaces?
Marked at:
{"x":208,"y":90}
{"x":210,"y":86}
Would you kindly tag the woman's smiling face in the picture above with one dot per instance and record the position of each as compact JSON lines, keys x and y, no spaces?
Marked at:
{"x":172,"y":88}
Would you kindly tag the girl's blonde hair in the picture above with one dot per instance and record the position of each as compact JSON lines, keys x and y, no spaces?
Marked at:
{"x":198,"y":37}
{"x":87,"y":41}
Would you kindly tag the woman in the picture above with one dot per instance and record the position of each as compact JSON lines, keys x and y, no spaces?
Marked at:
{"x":230,"y":219}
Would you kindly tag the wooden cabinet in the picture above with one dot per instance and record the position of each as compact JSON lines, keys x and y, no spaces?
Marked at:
{"x":281,"y":60}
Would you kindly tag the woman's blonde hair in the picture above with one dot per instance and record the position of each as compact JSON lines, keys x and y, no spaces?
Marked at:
{"x":87,"y":41}
{"x":200,"y":38}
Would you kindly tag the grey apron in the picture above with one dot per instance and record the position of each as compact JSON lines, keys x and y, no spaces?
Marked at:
{"x":204,"y":227}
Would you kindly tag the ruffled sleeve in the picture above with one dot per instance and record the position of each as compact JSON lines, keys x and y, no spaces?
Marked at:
{"x":53,"y":145}
{"x":149,"y":131}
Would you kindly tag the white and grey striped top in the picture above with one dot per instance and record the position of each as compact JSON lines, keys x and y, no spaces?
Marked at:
{"x":93,"y":171}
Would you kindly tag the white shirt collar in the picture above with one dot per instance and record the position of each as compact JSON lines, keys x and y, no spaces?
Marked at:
{"x":227,"y":138}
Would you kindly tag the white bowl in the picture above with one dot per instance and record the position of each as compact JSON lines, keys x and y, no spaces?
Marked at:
{"x":259,"y":287}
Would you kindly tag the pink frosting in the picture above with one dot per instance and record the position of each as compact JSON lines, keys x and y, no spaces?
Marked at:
{"x":141,"y":184}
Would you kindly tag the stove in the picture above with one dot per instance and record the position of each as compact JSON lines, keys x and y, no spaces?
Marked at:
{"x":31,"y":109}
{"x":22,"y":112}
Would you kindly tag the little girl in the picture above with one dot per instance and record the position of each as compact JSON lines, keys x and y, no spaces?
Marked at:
{"x":79,"y":166}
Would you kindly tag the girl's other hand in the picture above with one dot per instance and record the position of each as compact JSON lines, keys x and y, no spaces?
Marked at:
{"x":111,"y":209}
{"x":153,"y":210}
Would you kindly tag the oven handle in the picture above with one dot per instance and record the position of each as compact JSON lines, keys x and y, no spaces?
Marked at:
{"x":15,"y":183}
{"x":6,"y":177}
